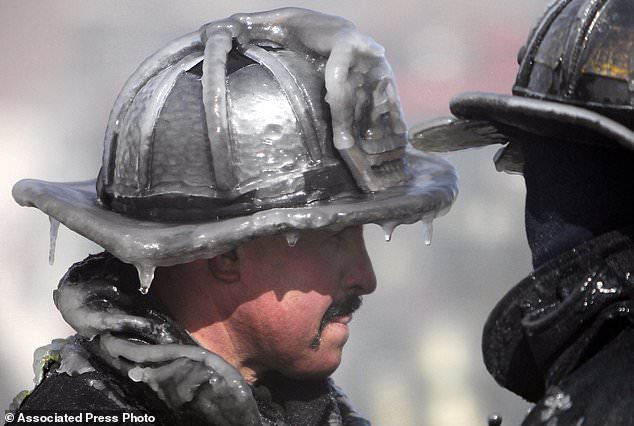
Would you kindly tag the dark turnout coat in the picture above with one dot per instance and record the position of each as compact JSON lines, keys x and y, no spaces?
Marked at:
{"x":564,"y":336}
{"x":281,"y":402}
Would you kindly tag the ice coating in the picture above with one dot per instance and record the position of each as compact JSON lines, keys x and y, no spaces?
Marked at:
{"x":356,"y":70}
{"x":192,"y":367}
{"x":494,"y":420}
{"x":292,"y":238}
{"x":360,"y":90}
{"x":140,"y":120}
{"x":45,"y":355}
{"x":167,"y":56}
{"x":54,"y":223}
{"x":556,"y":402}
{"x":144,"y":345}
{"x":388,"y":229}
{"x":74,"y":359}
{"x":354,"y":58}
{"x":71,"y":358}
{"x":429,"y":230}
{"x":74,"y":303}
{"x":359,"y":86}
{"x":97,"y":384}
{"x":152,"y":244}
{"x":217,"y":47}
{"x":146,"y":275}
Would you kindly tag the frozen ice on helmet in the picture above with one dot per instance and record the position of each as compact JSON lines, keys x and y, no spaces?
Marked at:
{"x":54,"y":228}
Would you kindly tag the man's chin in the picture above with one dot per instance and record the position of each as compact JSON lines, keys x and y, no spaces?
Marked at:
{"x":318,"y":364}
{"x":314,"y":373}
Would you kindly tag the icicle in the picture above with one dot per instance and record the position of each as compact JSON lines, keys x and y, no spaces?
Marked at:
{"x":388,"y":229}
{"x":429,"y":231}
{"x":291,"y":238}
{"x":146,"y":275}
{"x":52,"y":239}
{"x":494,"y":420}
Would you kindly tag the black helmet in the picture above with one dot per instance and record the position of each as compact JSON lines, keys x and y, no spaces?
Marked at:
{"x":575,"y":83}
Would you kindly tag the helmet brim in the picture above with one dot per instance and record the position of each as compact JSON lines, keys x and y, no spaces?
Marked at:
{"x":489,"y":118}
{"x":430,"y":193}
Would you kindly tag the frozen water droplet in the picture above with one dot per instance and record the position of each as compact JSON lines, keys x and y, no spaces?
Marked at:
{"x":292,"y":238}
{"x":495,"y":420}
{"x":136,"y":374}
{"x":146,"y":275}
{"x":52,"y":239}
{"x":388,"y":229}
{"x":429,"y":231}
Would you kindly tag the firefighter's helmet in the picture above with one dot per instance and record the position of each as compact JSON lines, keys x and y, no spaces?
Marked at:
{"x":258,"y":124}
{"x":575,"y":83}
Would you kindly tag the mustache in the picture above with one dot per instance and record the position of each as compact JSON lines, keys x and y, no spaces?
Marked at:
{"x":341,"y":309}
{"x":338,"y":309}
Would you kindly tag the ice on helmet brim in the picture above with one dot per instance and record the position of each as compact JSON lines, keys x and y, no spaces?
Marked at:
{"x":430,"y":193}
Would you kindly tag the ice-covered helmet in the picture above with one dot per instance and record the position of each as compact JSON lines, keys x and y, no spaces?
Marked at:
{"x":575,"y":83}
{"x":262,"y":138}
{"x":254,"y":125}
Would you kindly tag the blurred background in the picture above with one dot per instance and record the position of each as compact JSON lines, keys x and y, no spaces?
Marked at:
{"x":414,"y":356}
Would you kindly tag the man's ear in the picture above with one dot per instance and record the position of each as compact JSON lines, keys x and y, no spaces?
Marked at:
{"x":225,"y":267}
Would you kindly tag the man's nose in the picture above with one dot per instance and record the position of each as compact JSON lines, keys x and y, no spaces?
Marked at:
{"x":367,"y":281}
{"x":361,"y":277}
